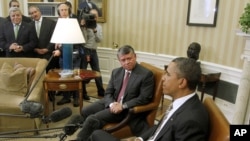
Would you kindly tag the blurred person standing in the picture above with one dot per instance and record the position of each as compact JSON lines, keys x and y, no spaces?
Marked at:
{"x":44,"y":29}
{"x":18,"y":38}
{"x":92,"y":33}
{"x":72,"y":15}
{"x":87,"y":5}
{"x":15,"y":3}
{"x":64,"y":11}
{"x":2,"y":21}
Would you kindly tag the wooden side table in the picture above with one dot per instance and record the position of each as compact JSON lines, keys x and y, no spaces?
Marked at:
{"x":53,"y":82}
{"x":209,"y":77}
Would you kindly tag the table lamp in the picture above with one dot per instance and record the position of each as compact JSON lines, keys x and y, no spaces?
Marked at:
{"x":67,"y":32}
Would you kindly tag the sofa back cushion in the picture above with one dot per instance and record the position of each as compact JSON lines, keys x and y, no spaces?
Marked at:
{"x":30,"y":73}
{"x":15,"y":79}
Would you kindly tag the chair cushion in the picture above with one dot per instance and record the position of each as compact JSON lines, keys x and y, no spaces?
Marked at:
{"x":15,"y":79}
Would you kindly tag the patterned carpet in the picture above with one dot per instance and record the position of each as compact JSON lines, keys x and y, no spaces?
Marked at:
{"x":54,"y":135}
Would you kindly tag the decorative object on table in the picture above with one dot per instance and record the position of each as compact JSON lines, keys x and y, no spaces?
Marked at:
{"x":244,"y":20}
{"x":67,"y":32}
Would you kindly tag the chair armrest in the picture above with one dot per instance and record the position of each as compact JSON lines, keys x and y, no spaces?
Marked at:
{"x":121,"y":124}
{"x":144,"y":108}
{"x":134,"y":110}
{"x":36,"y":94}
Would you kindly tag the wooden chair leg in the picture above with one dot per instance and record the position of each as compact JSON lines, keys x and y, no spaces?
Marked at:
{"x":162,"y":101}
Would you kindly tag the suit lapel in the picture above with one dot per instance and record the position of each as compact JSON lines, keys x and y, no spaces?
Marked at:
{"x":11,"y":28}
{"x":174,"y":116}
{"x":21,"y":29}
{"x":43,"y":23}
{"x":119,"y":81}
{"x":132,"y":79}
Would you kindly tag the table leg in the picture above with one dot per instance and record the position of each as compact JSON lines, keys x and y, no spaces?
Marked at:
{"x":215,"y":89}
{"x":202,"y":90}
{"x":52,"y":98}
{"x":46,"y":106}
{"x":46,"y":109}
{"x":162,"y":101}
{"x":80,"y":96}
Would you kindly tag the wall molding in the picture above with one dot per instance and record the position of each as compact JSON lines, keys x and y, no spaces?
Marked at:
{"x":107,"y":56}
{"x":108,"y":61}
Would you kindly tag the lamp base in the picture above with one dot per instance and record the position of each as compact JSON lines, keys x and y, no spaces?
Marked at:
{"x":66,"y":73}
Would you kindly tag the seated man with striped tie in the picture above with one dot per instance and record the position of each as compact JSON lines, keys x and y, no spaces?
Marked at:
{"x":187,"y":118}
{"x":130,"y":85}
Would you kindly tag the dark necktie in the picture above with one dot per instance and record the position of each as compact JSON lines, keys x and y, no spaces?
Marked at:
{"x":161,"y":124}
{"x":124,"y":85}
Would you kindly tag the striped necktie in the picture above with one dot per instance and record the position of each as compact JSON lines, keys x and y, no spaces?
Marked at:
{"x":161,"y":124}
{"x":124,"y":85}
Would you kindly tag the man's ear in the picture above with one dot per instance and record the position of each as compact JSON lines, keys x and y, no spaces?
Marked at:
{"x":182,"y":83}
{"x":135,"y":55}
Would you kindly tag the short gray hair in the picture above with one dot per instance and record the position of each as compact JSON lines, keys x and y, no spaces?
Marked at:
{"x":14,"y":9}
{"x":126,"y":49}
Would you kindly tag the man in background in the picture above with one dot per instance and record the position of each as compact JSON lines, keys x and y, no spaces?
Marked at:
{"x":93,"y":34}
{"x":18,"y":38}
{"x":44,"y":29}
{"x":2,"y":21}
{"x":15,"y":3}
{"x":72,"y":15}
{"x":87,"y":5}
{"x":64,"y":11}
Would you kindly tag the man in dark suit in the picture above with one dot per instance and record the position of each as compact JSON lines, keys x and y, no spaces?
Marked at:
{"x":2,"y":21}
{"x":188,"y":119}
{"x":15,"y":3}
{"x":44,"y":29}
{"x":17,"y":37}
{"x":116,"y":102}
{"x":86,"y":5}
{"x":64,"y":11}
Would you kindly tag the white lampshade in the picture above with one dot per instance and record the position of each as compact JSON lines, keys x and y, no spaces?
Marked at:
{"x":67,"y":31}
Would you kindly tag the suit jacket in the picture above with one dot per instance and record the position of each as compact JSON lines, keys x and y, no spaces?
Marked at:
{"x":2,"y":20}
{"x":46,"y":31}
{"x":190,"y":123}
{"x":26,"y":37}
{"x":139,"y":91}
